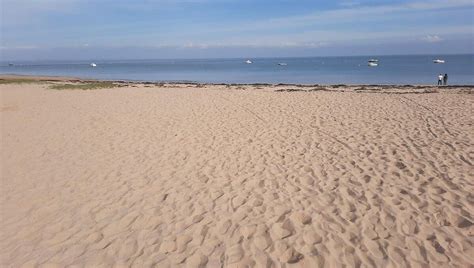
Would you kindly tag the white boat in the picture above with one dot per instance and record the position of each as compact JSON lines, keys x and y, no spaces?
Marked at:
{"x":438,"y":61}
{"x":93,"y":65}
{"x":282,"y":64}
{"x":374,"y":60}
{"x":248,"y":62}
{"x":373,"y":64}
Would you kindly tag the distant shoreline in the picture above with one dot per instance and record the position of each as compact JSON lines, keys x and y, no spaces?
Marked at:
{"x":46,"y":78}
{"x":88,"y":60}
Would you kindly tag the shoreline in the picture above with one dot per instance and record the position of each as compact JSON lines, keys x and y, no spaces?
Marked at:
{"x":45,"y":78}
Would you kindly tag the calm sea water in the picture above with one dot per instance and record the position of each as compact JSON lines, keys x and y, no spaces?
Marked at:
{"x":317,"y":70}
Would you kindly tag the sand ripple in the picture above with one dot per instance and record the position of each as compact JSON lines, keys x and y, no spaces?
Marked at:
{"x":215,"y":177}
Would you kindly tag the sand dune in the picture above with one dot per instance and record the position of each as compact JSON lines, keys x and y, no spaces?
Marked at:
{"x":183,"y":175}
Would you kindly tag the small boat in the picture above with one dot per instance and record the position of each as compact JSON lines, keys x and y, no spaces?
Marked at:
{"x":248,"y":62}
{"x":93,"y":65}
{"x":438,"y":61}
{"x":373,"y":62}
{"x":10,"y":64}
{"x":282,"y":64}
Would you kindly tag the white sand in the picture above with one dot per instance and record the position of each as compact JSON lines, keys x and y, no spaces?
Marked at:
{"x":214,"y":176}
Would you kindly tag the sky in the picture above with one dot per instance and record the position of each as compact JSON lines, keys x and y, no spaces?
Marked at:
{"x":144,"y":29}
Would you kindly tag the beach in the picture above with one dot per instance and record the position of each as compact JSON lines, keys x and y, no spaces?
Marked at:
{"x":202,"y":175}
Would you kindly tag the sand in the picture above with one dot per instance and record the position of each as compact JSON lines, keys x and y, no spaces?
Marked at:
{"x":236,"y":176}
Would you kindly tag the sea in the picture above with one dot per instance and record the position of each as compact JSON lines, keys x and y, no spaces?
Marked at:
{"x":400,"y":69}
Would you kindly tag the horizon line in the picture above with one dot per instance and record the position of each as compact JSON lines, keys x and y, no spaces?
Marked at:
{"x":250,"y":57}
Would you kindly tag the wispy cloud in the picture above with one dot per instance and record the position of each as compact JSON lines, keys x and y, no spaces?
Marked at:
{"x":349,"y":3}
{"x":432,"y":38}
{"x":339,"y":26}
{"x":253,"y":44}
{"x":438,"y":4}
{"x":18,"y":47}
{"x":30,"y":12}
{"x":357,"y":13}
{"x":180,"y":24}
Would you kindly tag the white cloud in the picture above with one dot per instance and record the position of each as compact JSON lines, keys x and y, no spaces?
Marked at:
{"x":432,"y":38}
{"x":349,"y":3}
{"x":438,"y":4}
{"x":24,"y":12}
{"x":310,"y":30}
{"x":196,"y":45}
{"x":325,"y":38}
{"x":18,"y":47}
{"x":264,"y":43}
{"x":358,"y":13}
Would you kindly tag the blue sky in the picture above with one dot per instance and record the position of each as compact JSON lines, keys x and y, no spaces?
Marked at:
{"x":107,"y":29}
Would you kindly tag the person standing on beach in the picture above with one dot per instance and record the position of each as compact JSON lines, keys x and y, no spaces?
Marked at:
{"x":440,"y":79}
{"x":445,"y":79}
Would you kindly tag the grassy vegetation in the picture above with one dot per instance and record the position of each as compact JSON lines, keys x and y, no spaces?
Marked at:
{"x":58,"y":85}
{"x":85,"y":85}
{"x":17,"y":81}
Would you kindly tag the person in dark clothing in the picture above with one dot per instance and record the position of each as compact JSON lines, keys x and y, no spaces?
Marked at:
{"x":445,"y":79}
